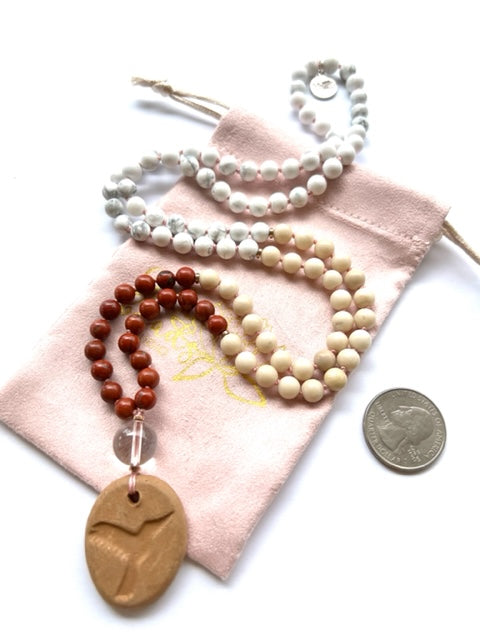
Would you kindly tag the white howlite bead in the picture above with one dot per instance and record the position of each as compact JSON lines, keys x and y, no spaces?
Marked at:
{"x":360,"y":340}
{"x":203,"y":246}
{"x":365,"y":318}
{"x":114,"y":207}
{"x":270,"y":256}
{"x":312,"y":390}
{"x":281,"y":360}
{"x":335,"y":378}
{"x":205,"y":178}
{"x":303,"y":240}
{"x":260,"y":231}
{"x":242,"y":305}
{"x":197,"y":228}
{"x":354,"y":279}
{"x":110,"y":190}
{"x":155,"y":217}
{"x":310,"y":160}
{"x":266,"y":376}
{"x":116,"y":176}
{"x":288,"y":387}
{"x":298,"y":100}
{"x":341,"y":263}
{"x":239,"y":231}
{"x":226,"y":248}
{"x":258,"y":206}
{"x":182,"y":242}
{"x":324,"y":359}
{"x":354,"y":82}
{"x":290,"y":168}
{"x":330,"y":65}
{"x":298,"y":196}
{"x":176,"y":223}
{"x":227,"y":165}
{"x":302,"y":368}
{"x":346,"y":70}
{"x":291,"y":262}
{"x":317,"y":185}
{"x":149,"y":161}
{"x":337,"y":341}
{"x":136,"y":206}
{"x":228,"y":288}
{"x":140,"y":230}
{"x":122,"y":222}
{"x":335,"y":140}
{"x":298,"y":85}
{"x":360,"y":121}
{"x":278,"y":202}
{"x":282,"y":233}
{"x":340,"y":300}
{"x":348,"y":359}
{"x":221,"y":191}
{"x":248,"y":171}
{"x":324,"y":248}
{"x":356,"y":130}
{"x":342,"y":321}
{"x":359,"y":109}
{"x":300,"y":74}
{"x":307,"y":114}
{"x":209,"y":279}
{"x":210,"y":156}
{"x":327,"y":150}
{"x":313,"y":268}
{"x":231,"y":344}
{"x":133,"y":171}
{"x":321,"y":128}
{"x":238,"y":202}
{"x":364,"y":298}
{"x":357,"y":96}
{"x":331,"y":279}
{"x":126,"y":188}
{"x":269,"y":170}
{"x":194,"y":152}
{"x":245,"y":362}
{"x":252,"y":324}
{"x":346,"y":152}
{"x":356,"y":141}
{"x":312,"y":68}
{"x":189,"y":166}
{"x":248,"y":249}
{"x":266,"y":342}
{"x":217,"y":231}
{"x":332,"y":168}
{"x":170,"y":159}
{"x":161,"y":236}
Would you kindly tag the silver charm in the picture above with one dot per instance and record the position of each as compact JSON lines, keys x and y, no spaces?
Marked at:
{"x":323,"y":87}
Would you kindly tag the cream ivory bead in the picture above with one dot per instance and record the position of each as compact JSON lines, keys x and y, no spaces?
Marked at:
{"x":340,"y":300}
{"x":281,"y":360}
{"x":354,"y":279}
{"x":331,"y":279}
{"x":337,"y":341}
{"x":303,"y":240}
{"x":312,"y":390}
{"x":324,"y":248}
{"x":228,"y":288}
{"x":335,"y":378}
{"x":252,"y":324}
{"x":231,"y":344}
{"x":270,"y":256}
{"x":242,"y":305}
{"x":209,"y":279}
{"x":324,"y":359}
{"x":342,"y":321}
{"x":266,"y":376}
{"x":291,"y":262}
{"x":364,"y":318}
{"x":288,"y":387}
{"x":302,"y":368}
{"x":278,"y":202}
{"x":341,"y":263}
{"x":266,"y":342}
{"x":317,"y":185}
{"x":360,"y":340}
{"x":245,"y":362}
{"x":364,"y":298}
{"x":348,"y":358}
{"x":313,"y":268}
{"x":282,"y":233}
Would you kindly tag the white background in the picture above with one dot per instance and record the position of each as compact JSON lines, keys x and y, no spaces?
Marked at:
{"x":349,"y":549}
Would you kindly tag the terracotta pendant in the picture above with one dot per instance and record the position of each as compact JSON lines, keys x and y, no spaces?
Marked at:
{"x":134,"y":548}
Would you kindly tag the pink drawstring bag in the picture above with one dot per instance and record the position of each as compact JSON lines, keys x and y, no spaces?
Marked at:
{"x":224,"y":444}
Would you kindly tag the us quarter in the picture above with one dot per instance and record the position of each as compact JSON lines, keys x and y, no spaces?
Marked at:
{"x":404,"y":429}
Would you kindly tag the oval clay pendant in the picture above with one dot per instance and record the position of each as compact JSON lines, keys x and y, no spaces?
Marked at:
{"x":134,"y":549}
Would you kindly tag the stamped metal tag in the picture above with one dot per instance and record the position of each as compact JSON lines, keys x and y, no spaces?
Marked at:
{"x":323,"y":87}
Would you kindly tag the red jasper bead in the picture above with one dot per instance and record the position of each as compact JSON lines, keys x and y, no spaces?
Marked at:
{"x":148,"y":377}
{"x":128,"y":342}
{"x":140,"y":359}
{"x":134,"y":323}
{"x":166,"y":279}
{"x":95,"y":350}
{"x":187,"y":299}
{"x":167,"y":298}
{"x":100,"y":328}
{"x":203,"y":310}
{"x":145,"y":284}
{"x":111,"y":391}
{"x":145,"y":398}
{"x":149,"y":308}
{"x":216,"y":325}
{"x":185,"y":277}
{"x":101,"y":369}
{"x":125,"y":293}
{"x":124,"y":407}
{"x":110,"y":309}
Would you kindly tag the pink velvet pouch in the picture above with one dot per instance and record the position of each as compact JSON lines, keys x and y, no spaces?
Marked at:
{"x":224,"y":444}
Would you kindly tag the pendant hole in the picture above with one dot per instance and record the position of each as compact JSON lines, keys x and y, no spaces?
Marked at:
{"x":134,"y":497}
